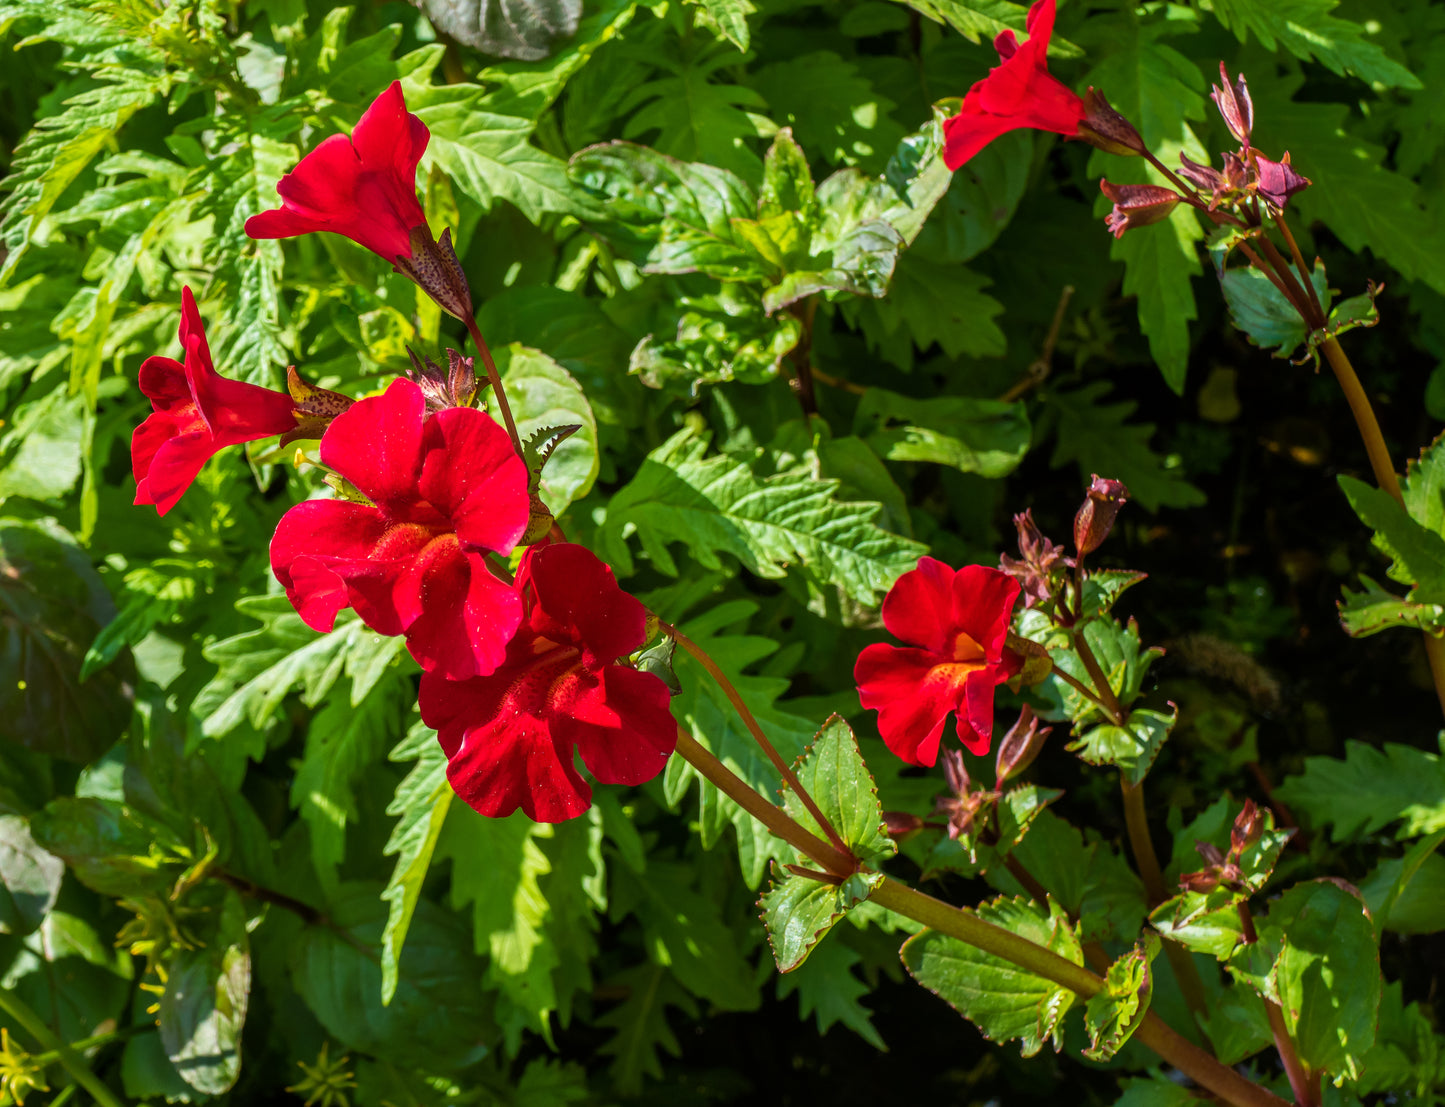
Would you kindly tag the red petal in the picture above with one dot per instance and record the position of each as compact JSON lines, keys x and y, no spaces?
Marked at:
{"x":466,"y":615}
{"x":578,"y":600}
{"x":376,"y":445}
{"x":624,"y":728}
{"x":163,"y":381}
{"x":499,"y":765}
{"x":982,"y":606}
{"x":968,"y":132}
{"x":319,"y":553}
{"x":912,"y":695}
{"x":172,"y":466}
{"x":918,"y":607}
{"x":387,"y":135}
{"x":1040,"y":27}
{"x":486,"y":496}
{"x":975,"y":716}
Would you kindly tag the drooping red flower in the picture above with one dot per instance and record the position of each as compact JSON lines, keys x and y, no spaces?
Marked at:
{"x":445,"y":491}
{"x":1019,"y":92}
{"x":957,"y":623}
{"x":197,"y":413}
{"x":363,"y":187}
{"x":510,"y":737}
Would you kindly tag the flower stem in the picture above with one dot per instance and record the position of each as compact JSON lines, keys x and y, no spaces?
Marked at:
{"x":762,"y":739}
{"x":968,"y":927}
{"x":1306,"y":1091}
{"x":1081,"y":688}
{"x":74,"y":1064}
{"x":1279,"y":221}
{"x":1384,"y":472}
{"x":1106,"y":697}
{"x":497,"y":390}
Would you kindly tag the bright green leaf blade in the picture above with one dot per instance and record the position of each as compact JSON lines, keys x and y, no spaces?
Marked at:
{"x":1112,"y":1015}
{"x":832,"y":772}
{"x":1307,"y":30}
{"x":798,"y":912}
{"x":543,"y":394}
{"x":1368,"y":789}
{"x":988,"y":437}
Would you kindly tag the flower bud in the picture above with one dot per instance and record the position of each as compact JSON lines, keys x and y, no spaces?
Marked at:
{"x":1095,"y":517}
{"x":1137,"y":205}
{"x":1247,"y":829}
{"x":1277,"y":181}
{"x":1104,"y":128}
{"x":1020,"y":746}
{"x":1234,"y":105}
{"x":955,"y":772}
{"x":454,"y":386}
{"x":901,"y":825}
{"x":1204,"y":881}
{"x":1039,"y":558}
{"x":539,"y":521}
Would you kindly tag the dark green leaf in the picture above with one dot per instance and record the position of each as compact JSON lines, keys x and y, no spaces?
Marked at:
{"x":506,"y":28}
{"x":1261,"y":311}
{"x":1369,"y":789}
{"x":543,"y":394}
{"x":31,"y":878}
{"x":203,"y":1008}
{"x":988,"y":437}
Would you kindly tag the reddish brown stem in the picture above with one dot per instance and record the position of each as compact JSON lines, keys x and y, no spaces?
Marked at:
{"x":497,"y":390}
{"x":1306,"y":1090}
{"x":1304,"y":270}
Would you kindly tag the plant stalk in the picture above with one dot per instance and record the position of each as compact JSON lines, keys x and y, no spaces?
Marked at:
{"x":1306,"y":1091}
{"x":497,"y":390}
{"x":1106,"y":697}
{"x":762,"y":739}
{"x":74,"y":1064}
{"x":1299,"y":260}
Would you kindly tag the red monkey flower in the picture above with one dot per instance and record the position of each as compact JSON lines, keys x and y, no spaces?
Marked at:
{"x":197,"y":413}
{"x":1019,"y":92}
{"x":445,"y":490}
{"x":510,"y":737}
{"x":958,"y":622}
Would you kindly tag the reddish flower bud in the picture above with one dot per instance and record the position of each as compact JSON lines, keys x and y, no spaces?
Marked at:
{"x":1018,"y":92}
{"x":1020,"y":746}
{"x":1096,"y":516}
{"x":901,"y":825}
{"x":1137,"y":205}
{"x":454,"y":386}
{"x":1038,"y":561}
{"x":1277,"y":181}
{"x":1211,"y":853}
{"x":1204,"y":881}
{"x":1234,"y":105}
{"x":1203,"y":177}
{"x":1107,"y":130}
{"x":966,"y":807}
{"x":1247,"y":829}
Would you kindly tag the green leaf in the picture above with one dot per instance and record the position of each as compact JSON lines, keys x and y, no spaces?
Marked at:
{"x":1406,"y":1055}
{"x":976,"y":20}
{"x":833,"y":109}
{"x":52,"y":605}
{"x":1005,"y":1002}
{"x":1132,"y":747}
{"x":1261,"y":311}
{"x":1237,"y":1024}
{"x":717,"y":504}
{"x":1112,"y":1015}
{"x":1014,"y":814}
{"x":1369,"y":789}
{"x":832,"y":772}
{"x":42,"y":450}
{"x":506,"y":28}
{"x":203,"y":1007}
{"x":988,"y":437}
{"x":1307,"y":30}
{"x":1327,"y":973}
{"x":31,"y":876}
{"x":1407,"y":894}
{"x":1155,"y":1091}
{"x":1202,"y":922}
{"x":436,"y":1020}
{"x":640,"y":1022}
{"x":799,"y":911}
{"x":1372,"y":609}
{"x":111,"y":848}
{"x":731,"y":17}
{"x":1419,"y":552}
{"x":421,"y":802}
{"x":543,"y":394}
{"x":721,"y":337}
{"x":1095,"y":435}
{"x":939,"y":302}
{"x":830,"y":991}
{"x":713,"y":721}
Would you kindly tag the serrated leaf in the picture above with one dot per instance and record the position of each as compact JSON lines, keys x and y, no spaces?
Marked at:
{"x":1407,"y":894}
{"x":1155,"y":1091}
{"x":1132,"y":747}
{"x":544,"y":395}
{"x":1307,"y":30}
{"x":799,"y":911}
{"x":1112,"y":1015}
{"x":1261,"y":311}
{"x":716,"y":504}
{"x":1372,"y":609}
{"x":731,"y":17}
{"x":640,"y":1022}
{"x":1005,"y":1002}
{"x":1368,"y":789}
{"x":1419,"y":551}
{"x":1202,"y":922}
{"x":832,"y":772}
{"x":1095,"y":435}
{"x":834,"y":109}
{"x":421,"y":802}
{"x":988,"y":437}
{"x":829,"y":990}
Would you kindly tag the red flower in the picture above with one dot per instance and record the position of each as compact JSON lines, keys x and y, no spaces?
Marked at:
{"x":198,"y":413}
{"x":1018,"y":93}
{"x":959,"y":621}
{"x":363,"y":187}
{"x":446,"y":490}
{"x":509,"y":737}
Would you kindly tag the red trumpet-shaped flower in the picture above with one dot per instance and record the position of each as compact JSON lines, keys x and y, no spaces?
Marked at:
{"x":957,"y":624}
{"x":363,"y":187}
{"x":197,"y":413}
{"x":510,"y":737}
{"x":445,"y":491}
{"x":1019,"y":92}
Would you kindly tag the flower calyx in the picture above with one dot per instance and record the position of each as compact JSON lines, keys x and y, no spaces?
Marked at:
{"x":433,"y":265}
{"x":454,"y":386}
{"x":1039,"y":562}
{"x":315,"y":407}
{"x":967,"y":807}
{"x":1095,"y":517}
{"x":1137,"y":205}
{"x":1107,"y":130}
{"x":1221,"y":869}
{"x":1276,"y":181}
{"x":1023,"y":742}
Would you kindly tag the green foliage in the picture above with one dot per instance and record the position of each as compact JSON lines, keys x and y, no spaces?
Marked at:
{"x":1112,"y":1015}
{"x":1369,"y":789}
